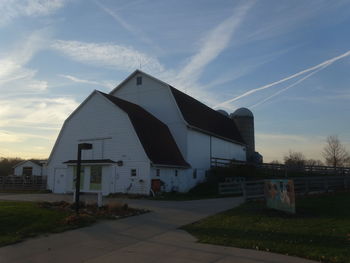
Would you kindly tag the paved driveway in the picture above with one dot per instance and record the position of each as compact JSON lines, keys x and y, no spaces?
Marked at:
{"x":151,"y":237}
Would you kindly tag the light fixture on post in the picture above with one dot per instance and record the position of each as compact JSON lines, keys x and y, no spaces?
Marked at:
{"x":81,"y":146}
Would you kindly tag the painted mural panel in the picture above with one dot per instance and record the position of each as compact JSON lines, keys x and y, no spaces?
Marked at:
{"x":279,"y":194}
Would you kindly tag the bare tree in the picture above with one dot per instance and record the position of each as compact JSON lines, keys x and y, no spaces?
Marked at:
{"x":294,"y":159}
{"x":313,"y":162}
{"x":6,"y":165}
{"x":334,"y":152}
{"x":347,"y":161}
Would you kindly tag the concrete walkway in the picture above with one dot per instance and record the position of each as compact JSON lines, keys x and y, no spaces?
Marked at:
{"x":151,"y":237}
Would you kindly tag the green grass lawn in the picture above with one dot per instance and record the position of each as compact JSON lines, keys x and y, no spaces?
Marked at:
{"x":320,"y":230}
{"x":20,"y":220}
{"x":25,"y":191}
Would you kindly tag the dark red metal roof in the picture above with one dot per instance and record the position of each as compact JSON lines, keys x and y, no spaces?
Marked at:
{"x":154,"y":135}
{"x":206,"y":119}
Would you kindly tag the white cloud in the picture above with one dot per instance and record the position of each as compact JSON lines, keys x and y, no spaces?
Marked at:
{"x":107,"y":55}
{"x":313,"y":68}
{"x":108,"y":84}
{"x":35,"y":111}
{"x":14,"y":75}
{"x":214,"y":43}
{"x":29,"y":122}
{"x":211,"y":46}
{"x":289,"y":86}
{"x":6,"y":136}
{"x":14,"y":137}
{"x":12,"y":9}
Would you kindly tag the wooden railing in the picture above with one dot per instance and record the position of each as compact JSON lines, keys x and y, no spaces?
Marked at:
{"x":302,"y":186}
{"x":23,"y":183}
{"x":282,"y":168}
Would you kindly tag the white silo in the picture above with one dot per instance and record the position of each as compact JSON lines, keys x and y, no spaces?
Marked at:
{"x":244,"y":120}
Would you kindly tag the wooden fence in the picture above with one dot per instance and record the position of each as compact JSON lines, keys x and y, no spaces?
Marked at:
{"x":282,"y":168}
{"x":302,"y":186}
{"x":19,"y":183}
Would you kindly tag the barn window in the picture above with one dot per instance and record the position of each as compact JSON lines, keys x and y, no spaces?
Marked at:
{"x":194,"y":173}
{"x":28,"y":171}
{"x":133,"y":172}
{"x":139,"y":80}
{"x":176,"y":172}
{"x":95,"y":177}
{"x":158,"y":172}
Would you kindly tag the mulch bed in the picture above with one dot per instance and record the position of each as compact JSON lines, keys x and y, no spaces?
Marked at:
{"x":90,"y":212}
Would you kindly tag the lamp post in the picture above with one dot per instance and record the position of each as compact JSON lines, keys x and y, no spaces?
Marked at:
{"x":81,"y":146}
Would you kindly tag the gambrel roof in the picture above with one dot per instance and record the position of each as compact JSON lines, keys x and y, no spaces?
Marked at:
{"x":196,"y":114}
{"x":200,"y":116}
{"x":154,"y":135}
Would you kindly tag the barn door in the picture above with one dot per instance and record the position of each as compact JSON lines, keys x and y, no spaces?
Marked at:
{"x":59,"y":180}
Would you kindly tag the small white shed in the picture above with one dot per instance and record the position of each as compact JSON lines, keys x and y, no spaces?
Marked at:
{"x":30,"y":168}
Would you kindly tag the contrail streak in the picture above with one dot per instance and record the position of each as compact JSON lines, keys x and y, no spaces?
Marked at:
{"x":290,"y":86}
{"x":325,"y":63}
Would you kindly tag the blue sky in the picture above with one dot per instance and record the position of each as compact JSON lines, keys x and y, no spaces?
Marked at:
{"x":288,"y":61}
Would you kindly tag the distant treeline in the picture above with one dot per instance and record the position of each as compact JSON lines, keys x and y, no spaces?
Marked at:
{"x":6,"y":165}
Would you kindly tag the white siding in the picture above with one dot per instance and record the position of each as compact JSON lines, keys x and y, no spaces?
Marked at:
{"x":125,"y":183}
{"x":201,"y":147}
{"x":198,"y":149}
{"x":183,"y":182}
{"x":225,"y":149}
{"x":37,"y":169}
{"x":170,"y":182}
{"x":110,"y":131}
{"x":157,"y":99}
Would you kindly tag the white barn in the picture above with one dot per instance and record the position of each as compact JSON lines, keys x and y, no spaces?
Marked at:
{"x":30,"y":168}
{"x":145,"y":135}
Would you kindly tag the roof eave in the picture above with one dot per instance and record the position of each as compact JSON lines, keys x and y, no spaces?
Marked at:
{"x":20,"y":163}
{"x":171,"y":166}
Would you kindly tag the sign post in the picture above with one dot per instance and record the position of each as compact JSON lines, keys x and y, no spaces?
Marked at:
{"x":81,"y":146}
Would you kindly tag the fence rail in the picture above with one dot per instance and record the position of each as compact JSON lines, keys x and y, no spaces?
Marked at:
{"x":19,"y":183}
{"x":302,"y":186}
{"x":282,"y":168}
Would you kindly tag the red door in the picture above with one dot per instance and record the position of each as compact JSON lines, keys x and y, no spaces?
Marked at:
{"x":155,"y":185}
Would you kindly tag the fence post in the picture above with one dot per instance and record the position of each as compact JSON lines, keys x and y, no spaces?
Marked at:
{"x":307,"y":186}
{"x":326,"y":184}
{"x":244,"y":192}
